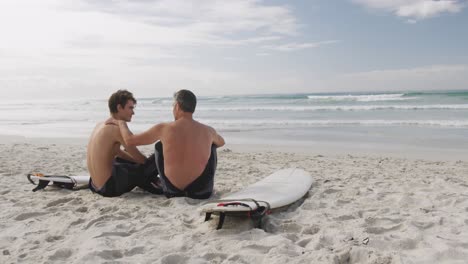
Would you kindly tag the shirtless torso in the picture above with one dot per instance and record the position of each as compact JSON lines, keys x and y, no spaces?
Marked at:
{"x":187,"y":146}
{"x":105,"y":144}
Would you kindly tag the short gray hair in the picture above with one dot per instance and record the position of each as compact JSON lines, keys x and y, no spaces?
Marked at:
{"x":186,"y":99}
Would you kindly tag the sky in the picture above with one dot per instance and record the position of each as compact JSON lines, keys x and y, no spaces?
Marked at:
{"x":53,"y":49}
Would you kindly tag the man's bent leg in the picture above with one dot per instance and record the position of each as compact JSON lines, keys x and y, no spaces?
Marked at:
{"x":121,"y":180}
{"x":147,"y":177}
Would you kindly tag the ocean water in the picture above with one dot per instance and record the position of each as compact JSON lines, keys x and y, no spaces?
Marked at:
{"x":429,"y":121}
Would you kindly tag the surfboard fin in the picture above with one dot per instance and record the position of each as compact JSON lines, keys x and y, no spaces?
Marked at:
{"x":207,"y":217}
{"x":257,"y":216}
{"x":256,"y":213}
{"x":41,"y":185}
{"x":222,"y":216}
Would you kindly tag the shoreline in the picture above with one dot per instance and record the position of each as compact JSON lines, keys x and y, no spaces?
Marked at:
{"x":334,"y":149}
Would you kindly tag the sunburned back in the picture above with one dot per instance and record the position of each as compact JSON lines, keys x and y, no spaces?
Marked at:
{"x":102,"y":148}
{"x":187,"y":148}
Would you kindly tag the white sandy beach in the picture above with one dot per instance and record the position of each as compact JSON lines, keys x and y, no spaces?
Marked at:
{"x":360,"y":209}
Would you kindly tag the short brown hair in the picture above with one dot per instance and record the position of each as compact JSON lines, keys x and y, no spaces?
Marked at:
{"x":121,"y":97}
{"x":187,"y":100}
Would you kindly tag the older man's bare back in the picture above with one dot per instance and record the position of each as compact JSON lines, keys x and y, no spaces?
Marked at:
{"x":187,"y":148}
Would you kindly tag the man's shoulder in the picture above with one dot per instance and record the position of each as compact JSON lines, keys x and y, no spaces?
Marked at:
{"x":105,"y":133}
{"x":108,"y":129}
{"x":200,"y":124}
{"x":163,"y":125}
{"x":207,"y":127}
{"x":187,"y":125}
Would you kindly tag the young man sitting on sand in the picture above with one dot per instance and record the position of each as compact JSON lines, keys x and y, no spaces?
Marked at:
{"x":186,"y":150}
{"x":115,"y":171}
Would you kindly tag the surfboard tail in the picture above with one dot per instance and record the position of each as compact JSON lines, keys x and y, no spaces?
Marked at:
{"x":42,"y":181}
{"x":279,"y":189}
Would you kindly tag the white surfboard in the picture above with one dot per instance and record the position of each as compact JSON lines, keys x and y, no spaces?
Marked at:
{"x":68,"y":182}
{"x":280,"y":189}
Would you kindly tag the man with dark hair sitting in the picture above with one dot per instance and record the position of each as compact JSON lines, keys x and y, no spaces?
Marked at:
{"x":115,"y":171}
{"x":185,"y":151}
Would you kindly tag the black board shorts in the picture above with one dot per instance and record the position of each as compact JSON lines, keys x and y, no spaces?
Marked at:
{"x":127,"y":175}
{"x":200,"y":188}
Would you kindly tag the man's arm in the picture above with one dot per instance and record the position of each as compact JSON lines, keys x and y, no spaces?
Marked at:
{"x":217,"y":139}
{"x":148,"y":137}
{"x":126,"y":156}
{"x":130,"y":153}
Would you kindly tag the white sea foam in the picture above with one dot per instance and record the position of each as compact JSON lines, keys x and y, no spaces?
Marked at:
{"x":237,"y":113}
{"x":248,"y":124}
{"x":303,"y":108}
{"x":361,"y":98}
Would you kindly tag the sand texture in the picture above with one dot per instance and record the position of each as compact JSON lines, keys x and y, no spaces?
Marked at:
{"x":360,"y":209}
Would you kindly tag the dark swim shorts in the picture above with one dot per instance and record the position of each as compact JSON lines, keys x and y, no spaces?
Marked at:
{"x":127,"y":175}
{"x":201,"y":188}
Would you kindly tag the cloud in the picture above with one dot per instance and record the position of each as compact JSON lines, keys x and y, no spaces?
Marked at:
{"x":141,"y":29}
{"x":414,"y":10}
{"x":299,"y":46}
{"x":209,"y":21}
{"x":57,"y":46}
{"x":175,"y":23}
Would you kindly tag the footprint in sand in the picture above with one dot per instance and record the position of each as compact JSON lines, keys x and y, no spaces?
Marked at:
{"x":166,"y":203}
{"x":59,"y":202}
{"x":215,"y":257}
{"x":135,"y":251}
{"x":82,"y":209}
{"x":5,"y":192}
{"x":290,"y":228}
{"x":408,"y":243}
{"x":77,"y":201}
{"x":110,"y":254}
{"x":118,"y":234}
{"x":382,"y":225}
{"x":77,"y":222}
{"x":28,"y":215}
{"x":422,"y":225}
{"x":61,"y":254}
{"x":259,"y":248}
{"x":345,"y":217}
{"x":174,"y":259}
{"x":311,"y":230}
{"x":99,"y":220}
{"x":188,"y":223}
{"x":54,"y":238}
{"x":330,"y":191}
{"x":108,"y":209}
{"x":304,"y":242}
